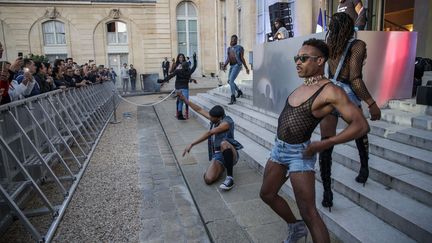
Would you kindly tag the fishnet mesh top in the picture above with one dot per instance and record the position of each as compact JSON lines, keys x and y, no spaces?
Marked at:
{"x":351,"y":72}
{"x":296,"y":124}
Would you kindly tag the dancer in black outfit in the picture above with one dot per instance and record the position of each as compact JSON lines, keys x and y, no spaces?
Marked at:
{"x":351,"y":53}
{"x":182,"y":84}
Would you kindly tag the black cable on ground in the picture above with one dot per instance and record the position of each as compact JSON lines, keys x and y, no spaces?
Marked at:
{"x":184,"y":179}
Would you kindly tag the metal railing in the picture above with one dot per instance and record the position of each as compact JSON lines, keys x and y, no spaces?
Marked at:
{"x":394,"y":26}
{"x":46,"y":142}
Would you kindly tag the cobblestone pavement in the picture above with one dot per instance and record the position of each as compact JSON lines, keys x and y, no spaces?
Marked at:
{"x":106,"y":204}
{"x":168,"y":213}
{"x":238,"y":215}
{"x":132,"y":189}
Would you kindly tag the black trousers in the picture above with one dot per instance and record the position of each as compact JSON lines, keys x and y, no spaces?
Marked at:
{"x":133,"y":83}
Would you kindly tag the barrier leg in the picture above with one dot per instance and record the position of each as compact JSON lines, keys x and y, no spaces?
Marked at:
{"x":114,"y":121}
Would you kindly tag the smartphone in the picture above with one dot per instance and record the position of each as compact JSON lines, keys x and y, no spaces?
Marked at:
{"x":20,"y":54}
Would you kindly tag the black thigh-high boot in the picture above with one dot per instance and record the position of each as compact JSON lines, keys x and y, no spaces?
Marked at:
{"x":363,"y":148}
{"x":325,"y":162}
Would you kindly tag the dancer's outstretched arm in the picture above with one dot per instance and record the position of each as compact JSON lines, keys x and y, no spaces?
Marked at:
{"x":194,"y":106}
{"x":223,"y":127}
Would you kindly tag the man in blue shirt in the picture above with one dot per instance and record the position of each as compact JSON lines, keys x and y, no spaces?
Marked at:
{"x":235,"y":57}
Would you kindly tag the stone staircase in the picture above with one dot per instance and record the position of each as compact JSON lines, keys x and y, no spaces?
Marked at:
{"x":395,"y":205}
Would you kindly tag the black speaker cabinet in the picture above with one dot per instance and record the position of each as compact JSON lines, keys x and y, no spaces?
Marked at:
{"x":278,"y":6}
{"x":424,"y":95}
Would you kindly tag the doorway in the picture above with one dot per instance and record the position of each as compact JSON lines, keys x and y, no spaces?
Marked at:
{"x":115,"y":61}
{"x":398,"y":15}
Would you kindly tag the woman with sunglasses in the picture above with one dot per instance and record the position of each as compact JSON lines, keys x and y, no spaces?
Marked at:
{"x":351,"y":53}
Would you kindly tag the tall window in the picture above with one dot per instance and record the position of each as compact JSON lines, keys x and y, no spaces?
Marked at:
{"x":53,"y":57}
{"x":187,"y":31}
{"x":54,"y":33}
{"x":115,"y":61}
{"x":117,"y":33}
{"x":260,"y":21}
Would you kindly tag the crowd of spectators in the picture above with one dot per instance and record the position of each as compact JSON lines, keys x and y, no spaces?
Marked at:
{"x":25,"y":77}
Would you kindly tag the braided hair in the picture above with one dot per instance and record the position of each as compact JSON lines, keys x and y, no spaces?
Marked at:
{"x":341,"y":29}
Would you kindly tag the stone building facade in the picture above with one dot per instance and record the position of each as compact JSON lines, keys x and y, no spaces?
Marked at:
{"x":143,"y":32}
{"x":133,"y":31}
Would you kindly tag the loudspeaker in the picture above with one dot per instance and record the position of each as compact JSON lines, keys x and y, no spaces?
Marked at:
{"x":278,"y":6}
{"x":424,"y":95}
{"x":287,"y":20}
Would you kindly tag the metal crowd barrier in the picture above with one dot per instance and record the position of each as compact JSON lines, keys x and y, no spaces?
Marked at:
{"x":46,"y":142}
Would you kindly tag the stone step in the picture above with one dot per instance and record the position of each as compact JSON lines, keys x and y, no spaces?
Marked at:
{"x":259,"y":134}
{"x":407,"y":215}
{"x":348,"y":221}
{"x":246,"y":89}
{"x":268,"y":122}
{"x":400,"y":133}
{"x":265,"y":139}
{"x":243,"y":102}
{"x":414,"y":184}
{"x":409,"y":105}
{"x":406,"y":118}
{"x":403,"y":134}
{"x":417,"y":188}
{"x":406,"y":155}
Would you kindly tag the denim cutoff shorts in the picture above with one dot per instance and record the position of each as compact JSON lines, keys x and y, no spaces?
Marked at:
{"x":291,"y":156}
{"x":218,"y":156}
{"x":351,"y":95}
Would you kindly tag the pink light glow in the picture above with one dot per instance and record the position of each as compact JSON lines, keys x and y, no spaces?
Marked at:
{"x":395,"y":63}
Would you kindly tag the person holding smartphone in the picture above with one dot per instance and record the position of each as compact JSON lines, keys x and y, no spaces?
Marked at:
{"x":23,"y":87}
{"x":4,"y":82}
{"x":1,"y":50}
{"x":15,"y":68}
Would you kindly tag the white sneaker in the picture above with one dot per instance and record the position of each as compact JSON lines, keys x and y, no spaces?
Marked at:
{"x":296,"y":231}
{"x":227,"y":184}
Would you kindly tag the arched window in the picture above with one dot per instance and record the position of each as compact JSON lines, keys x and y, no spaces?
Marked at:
{"x":54,"y":33}
{"x":187,"y":31}
{"x":117,"y":33}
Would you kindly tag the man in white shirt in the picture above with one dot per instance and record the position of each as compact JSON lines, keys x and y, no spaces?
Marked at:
{"x":124,"y":74}
{"x":20,"y":90}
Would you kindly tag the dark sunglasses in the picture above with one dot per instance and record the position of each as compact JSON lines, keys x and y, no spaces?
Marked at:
{"x":303,"y":58}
